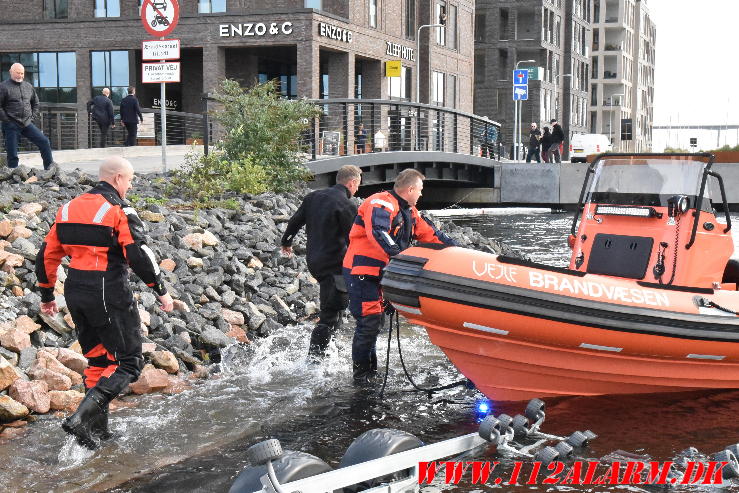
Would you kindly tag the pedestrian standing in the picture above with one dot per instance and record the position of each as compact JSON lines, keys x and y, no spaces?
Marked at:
{"x":558,"y":137}
{"x":386,"y":224}
{"x":131,"y":116}
{"x":534,"y":143}
{"x":327,"y":215}
{"x":19,"y":104}
{"x":100,"y":109}
{"x":104,"y":236}
{"x":361,"y":139}
{"x":546,"y":143}
{"x":488,"y":139}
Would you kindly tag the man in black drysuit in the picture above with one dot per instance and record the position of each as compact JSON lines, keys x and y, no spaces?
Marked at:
{"x":328,"y":215}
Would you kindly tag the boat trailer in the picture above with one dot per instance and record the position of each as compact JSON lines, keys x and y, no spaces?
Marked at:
{"x":387,"y":460}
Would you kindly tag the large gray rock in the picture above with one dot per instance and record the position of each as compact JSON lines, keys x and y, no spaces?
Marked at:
{"x":210,"y":336}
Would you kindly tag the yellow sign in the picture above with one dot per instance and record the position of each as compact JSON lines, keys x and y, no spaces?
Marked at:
{"x":392,"y":68}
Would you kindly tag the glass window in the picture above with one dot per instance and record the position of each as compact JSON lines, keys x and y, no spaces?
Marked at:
{"x":110,"y":69}
{"x":107,"y":8}
{"x":410,"y":19}
{"x":453,"y":91}
{"x":451,"y":25}
{"x":67,"y":69}
{"x":53,"y":74}
{"x":314,"y":4}
{"x":213,"y":6}
{"x":400,"y":86}
{"x":55,"y":9}
{"x":441,"y":18}
{"x":373,"y":13}
{"x":437,"y":78}
{"x":47,"y":76}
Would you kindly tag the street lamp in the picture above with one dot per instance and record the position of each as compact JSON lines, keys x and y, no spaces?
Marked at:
{"x":610,"y":124}
{"x":516,"y":116}
{"x":556,"y":92}
{"x":418,"y":60}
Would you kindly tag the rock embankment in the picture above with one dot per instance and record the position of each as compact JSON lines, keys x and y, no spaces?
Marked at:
{"x":222,"y":265}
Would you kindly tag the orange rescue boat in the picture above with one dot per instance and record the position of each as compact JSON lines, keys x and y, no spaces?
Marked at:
{"x":648,"y":303}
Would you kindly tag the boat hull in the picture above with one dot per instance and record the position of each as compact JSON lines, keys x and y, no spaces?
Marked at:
{"x":516,"y":345}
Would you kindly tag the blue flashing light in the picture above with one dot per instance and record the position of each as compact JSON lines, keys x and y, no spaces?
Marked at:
{"x":483,"y":407}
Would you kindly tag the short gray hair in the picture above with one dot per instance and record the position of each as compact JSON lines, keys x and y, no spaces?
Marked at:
{"x":407,"y":178}
{"x":347,"y":173}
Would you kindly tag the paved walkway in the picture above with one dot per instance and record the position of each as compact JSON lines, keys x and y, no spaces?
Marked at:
{"x":145,"y":159}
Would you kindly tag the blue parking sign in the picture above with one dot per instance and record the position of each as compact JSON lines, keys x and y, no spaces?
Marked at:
{"x":520,"y":93}
{"x":521,"y":77}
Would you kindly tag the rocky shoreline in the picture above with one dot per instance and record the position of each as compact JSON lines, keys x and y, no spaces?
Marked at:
{"x":221,"y":265}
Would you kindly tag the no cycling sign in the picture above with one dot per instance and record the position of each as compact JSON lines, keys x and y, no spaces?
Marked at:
{"x":160,"y":17}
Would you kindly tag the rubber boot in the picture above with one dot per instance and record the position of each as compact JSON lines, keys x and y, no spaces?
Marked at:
{"x":319,"y":339}
{"x":99,"y":426}
{"x":364,"y":374}
{"x":80,"y":423}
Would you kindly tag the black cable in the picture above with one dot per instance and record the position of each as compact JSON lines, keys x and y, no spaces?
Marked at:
{"x":674,"y":259}
{"x":387,"y":356}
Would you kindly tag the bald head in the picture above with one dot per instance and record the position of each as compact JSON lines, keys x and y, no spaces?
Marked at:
{"x":118,"y":172}
{"x":106,"y":92}
{"x":17,"y":72}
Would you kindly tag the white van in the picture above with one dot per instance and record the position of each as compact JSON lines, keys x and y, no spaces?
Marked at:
{"x":582,"y":145}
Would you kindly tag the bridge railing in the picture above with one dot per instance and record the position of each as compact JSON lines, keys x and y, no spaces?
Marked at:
{"x":358,"y":126}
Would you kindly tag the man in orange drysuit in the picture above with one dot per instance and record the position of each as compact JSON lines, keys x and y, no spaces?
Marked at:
{"x":104,"y":236}
{"x":385,"y":225}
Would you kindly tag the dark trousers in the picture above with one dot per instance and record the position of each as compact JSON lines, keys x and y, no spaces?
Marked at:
{"x":109,"y":332}
{"x":365,"y":305}
{"x":131,"y":131}
{"x":12,"y":132}
{"x":554,"y":156}
{"x":103,"y":134}
{"x":334,"y":300}
{"x":533,"y":153}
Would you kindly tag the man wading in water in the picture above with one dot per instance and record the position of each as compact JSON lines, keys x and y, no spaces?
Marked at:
{"x":104,"y":236}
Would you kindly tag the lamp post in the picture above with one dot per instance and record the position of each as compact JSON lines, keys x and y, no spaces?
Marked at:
{"x":516,"y":116}
{"x":418,"y":60}
{"x":610,"y":125}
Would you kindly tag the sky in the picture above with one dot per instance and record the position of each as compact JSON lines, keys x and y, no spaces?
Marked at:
{"x":695,"y":68}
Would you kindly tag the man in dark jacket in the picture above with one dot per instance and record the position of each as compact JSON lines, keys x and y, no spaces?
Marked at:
{"x":18,"y":105}
{"x":100,"y":109}
{"x":558,"y":137}
{"x":328,"y":215}
{"x":534,"y":143}
{"x":131,"y":116}
{"x":104,"y":236}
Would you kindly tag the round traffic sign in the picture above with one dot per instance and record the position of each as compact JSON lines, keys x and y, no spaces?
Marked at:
{"x":160,"y":17}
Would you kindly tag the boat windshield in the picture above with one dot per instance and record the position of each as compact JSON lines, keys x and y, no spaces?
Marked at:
{"x":646,"y":181}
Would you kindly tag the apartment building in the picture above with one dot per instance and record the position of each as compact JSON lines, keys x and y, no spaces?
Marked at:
{"x":556,"y":35}
{"x":622,"y":77}
{"x":315,"y":48}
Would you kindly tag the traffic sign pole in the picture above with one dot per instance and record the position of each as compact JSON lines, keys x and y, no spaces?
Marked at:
{"x":163,"y":109}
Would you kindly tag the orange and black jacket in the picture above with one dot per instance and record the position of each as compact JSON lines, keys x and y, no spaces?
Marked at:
{"x":103,"y":235}
{"x":385,"y":226}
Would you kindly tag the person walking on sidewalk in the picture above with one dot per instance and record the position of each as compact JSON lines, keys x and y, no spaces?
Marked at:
{"x":104,"y":236}
{"x":386,"y":224}
{"x":100,"y":109}
{"x":546,"y":143}
{"x":131,"y":116}
{"x":558,"y":137}
{"x":327,"y":215}
{"x":19,"y":104}
{"x":534,"y":143}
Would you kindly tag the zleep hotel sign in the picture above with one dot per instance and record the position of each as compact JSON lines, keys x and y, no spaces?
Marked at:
{"x":255,"y":29}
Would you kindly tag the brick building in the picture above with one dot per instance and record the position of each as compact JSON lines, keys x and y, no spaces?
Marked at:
{"x":314,"y":48}
{"x":556,"y":34}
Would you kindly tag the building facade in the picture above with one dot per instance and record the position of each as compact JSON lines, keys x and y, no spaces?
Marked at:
{"x":313,"y":48}
{"x":556,"y":35}
{"x":622,"y":87}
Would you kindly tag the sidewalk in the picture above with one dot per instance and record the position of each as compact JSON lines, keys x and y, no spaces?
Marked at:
{"x":145,"y":159}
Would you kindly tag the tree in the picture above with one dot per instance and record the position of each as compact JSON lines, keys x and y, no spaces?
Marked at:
{"x":264,"y":128}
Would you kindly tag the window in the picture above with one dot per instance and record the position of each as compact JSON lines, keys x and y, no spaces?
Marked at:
{"x":453,"y":91}
{"x":107,"y":8}
{"x":53,"y":74}
{"x":314,"y":4}
{"x":400,"y":87}
{"x":110,"y":69}
{"x":55,"y":9}
{"x":213,"y":6}
{"x":440,"y":16}
{"x":373,"y":13}
{"x":451,"y":25}
{"x":437,"y":79}
{"x":410,"y":19}
{"x":480,"y":27}
{"x":503,"y":24}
